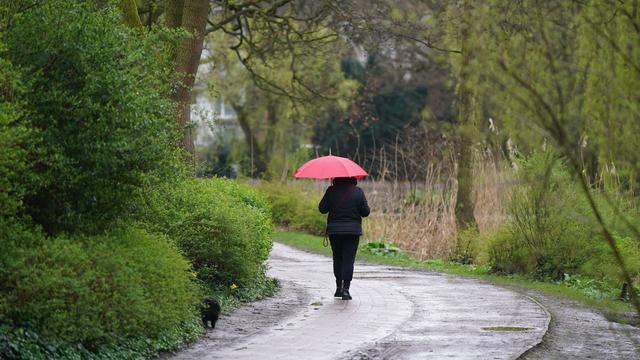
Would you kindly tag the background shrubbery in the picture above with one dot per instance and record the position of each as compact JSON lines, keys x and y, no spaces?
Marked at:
{"x":551,"y":233}
{"x":549,"y":221}
{"x":294,"y":207}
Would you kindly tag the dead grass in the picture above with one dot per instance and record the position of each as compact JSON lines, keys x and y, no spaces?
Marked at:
{"x":491,"y":187}
{"x":419,"y":216}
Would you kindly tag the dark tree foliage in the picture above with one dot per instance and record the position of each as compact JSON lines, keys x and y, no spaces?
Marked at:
{"x":216,"y":159}
{"x":382,"y":111}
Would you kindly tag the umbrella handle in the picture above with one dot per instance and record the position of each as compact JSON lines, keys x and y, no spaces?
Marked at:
{"x":325,"y":241}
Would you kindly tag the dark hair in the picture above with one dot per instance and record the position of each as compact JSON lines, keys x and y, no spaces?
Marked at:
{"x":344,"y":180}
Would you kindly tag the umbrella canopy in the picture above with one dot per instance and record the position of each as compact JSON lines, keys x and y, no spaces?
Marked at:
{"x":330,"y":167}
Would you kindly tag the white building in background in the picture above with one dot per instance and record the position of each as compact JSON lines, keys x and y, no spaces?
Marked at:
{"x":211,"y":116}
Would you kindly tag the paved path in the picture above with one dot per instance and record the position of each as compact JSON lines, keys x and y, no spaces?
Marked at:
{"x":395,"y":314}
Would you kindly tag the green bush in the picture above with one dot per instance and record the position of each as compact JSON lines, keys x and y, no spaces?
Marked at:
{"x":603,"y":265}
{"x":472,"y":246}
{"x":97,"y":92}
{"x":552,"y":233}
{"x":550,"y":229}
{"x":507,"y":256}
{"x":466,"y":246}
{"x":294,"y":207}
{"x":224,"y":229}
{"x":126,"y":289}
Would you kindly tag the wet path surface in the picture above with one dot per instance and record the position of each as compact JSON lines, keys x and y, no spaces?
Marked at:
{"x":395,"y":314}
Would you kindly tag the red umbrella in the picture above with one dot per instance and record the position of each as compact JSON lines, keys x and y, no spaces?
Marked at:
{"x":330,"y":167}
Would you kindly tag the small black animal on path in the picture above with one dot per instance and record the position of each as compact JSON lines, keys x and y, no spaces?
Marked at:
{"x":210,"y":310}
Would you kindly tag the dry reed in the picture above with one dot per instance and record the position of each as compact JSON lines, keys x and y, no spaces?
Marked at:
{"x":419,"y":216}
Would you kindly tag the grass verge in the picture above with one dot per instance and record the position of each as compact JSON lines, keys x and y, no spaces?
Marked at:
{"x":611,"y":308}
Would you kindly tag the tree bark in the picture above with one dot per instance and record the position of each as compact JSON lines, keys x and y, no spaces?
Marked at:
{"x":193,"y":18}
{"x":465,"y":204}
{"x":173,"y":13}
{"x":272,"y":122}
{"x":130,"y":13}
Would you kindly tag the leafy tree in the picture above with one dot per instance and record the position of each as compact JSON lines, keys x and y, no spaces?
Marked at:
{"x":257,"y":25}
{"x":17,"y":140}
{"x":564,"y":74}
{"x":278,"y":99}
{"x":386,"y":105}
{"x":406,"y":87}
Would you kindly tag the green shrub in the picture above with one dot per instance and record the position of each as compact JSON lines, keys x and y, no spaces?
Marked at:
{"x":550,"y":224}
{"x":507,"y":256}
{"x":224,"y":228}
{"x":98,"y":94}
{"x":84,"y":124}
{"x":125,"y":289}
{"x":294,"y":206}
{"x":603,"y":265}
{"x":25,"y":344}
{"x":382,"y":248}
{"x":466,"y":246}
{"x":552,"y":233}
{"x":592,"y":287}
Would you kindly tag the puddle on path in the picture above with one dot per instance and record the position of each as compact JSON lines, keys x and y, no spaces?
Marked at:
{"x":506,"y":328}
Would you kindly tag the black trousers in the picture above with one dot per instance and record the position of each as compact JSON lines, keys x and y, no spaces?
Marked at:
{"x":344,"y":249}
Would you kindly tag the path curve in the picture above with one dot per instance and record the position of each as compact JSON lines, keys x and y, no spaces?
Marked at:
{"x":396,"y":313}
{"x":577,"y":332}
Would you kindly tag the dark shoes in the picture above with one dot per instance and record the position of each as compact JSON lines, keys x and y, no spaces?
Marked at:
{"x":342,"y":290}
{"x":338,"y":289}
{"x":345,"y":294}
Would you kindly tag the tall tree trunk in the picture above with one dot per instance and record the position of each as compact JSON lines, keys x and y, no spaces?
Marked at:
{"x":468,"y":124}
{"x":173,"y":13}
{"x":272,"y":122}
{"x":193,"y":18}
{"x":465,"y":203}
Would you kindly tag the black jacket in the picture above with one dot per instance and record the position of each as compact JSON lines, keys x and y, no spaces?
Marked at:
{"x":346,"y":205}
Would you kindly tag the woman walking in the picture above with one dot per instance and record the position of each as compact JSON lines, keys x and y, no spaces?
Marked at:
{"x":346,"y":204}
